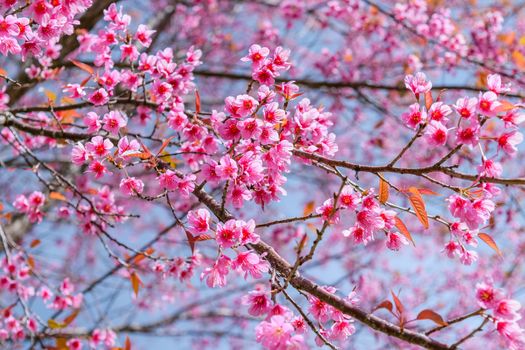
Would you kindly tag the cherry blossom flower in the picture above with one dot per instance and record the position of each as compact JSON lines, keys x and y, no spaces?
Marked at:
{"x":488,"y":103}
{"x":436,"y":133}
{"x":216,"y":274}
{"x":275,"y":333}
{"x":251,"y":264}
{"x":439,"y":111}
{"x":466,"y":107}
{"x":512,"y":333}
{"x":508,"y":310}
{"x":99,"y":147}
{"x":199,"y":221}
{"x":131,"y":186}
{"x":418,"y":84}
{"x":143,"y":35}
{"x":114,"y":121}
{"x":494,"y":84}
{"x":99,"y":97}
{"x":228,"y":234}
{"x":395,"y":241}
{"x":92,"y":121}
{"x":258,"y":302}
{"x":414,"y":117}
{"x":508,"y":142}
{"x":490,"y":168}
{"x":256,"y":55}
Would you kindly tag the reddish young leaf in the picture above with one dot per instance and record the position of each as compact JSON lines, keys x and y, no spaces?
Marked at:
{"x":490,"y":242}
{"x":137,"y":154}
{"x":201,"y":238}
{"x":383,"y":191}
{"x":165,"y":144}
{"x":135,"y":282}
{"x":57,"y":196}
{"x":428,"y":314}
{"x":127,"y":344}
{"x":505,"y":106}
{"x":34,"y":243}
{"x":83,"y":66}
{"x":141,"y":257}
{"x":387,"y":304}
{"x":398,"y":303}
{"x":428,"y":99}
{"x":418,"y":204}
{"x":61,"y":344}
{"x":197,"y":102}
{"x":309,"y":208}
{"x":191,"y":241}
{"x":400,"y":225}
{"x":426,"y":191}
{"x":31,"y":262}
{"x":68,"y":320}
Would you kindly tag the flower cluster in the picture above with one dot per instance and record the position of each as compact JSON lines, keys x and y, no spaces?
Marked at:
{"x":35,"y":30}
{"x":370,"y":218}
{"x":31,"y":205}
{"x":232,"y":233}
{"x":264,"y":68}
{"x":505,"y":314}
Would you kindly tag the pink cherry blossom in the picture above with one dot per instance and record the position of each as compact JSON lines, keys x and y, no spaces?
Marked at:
{"x":418,"y":84}
{"x":466,"y":107}
{"x":414,"y":117}
{"x":199,"y":221}
{"x":131,"y":186}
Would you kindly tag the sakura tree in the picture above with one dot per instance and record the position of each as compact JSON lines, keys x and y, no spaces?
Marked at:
{"x":262,"y":174}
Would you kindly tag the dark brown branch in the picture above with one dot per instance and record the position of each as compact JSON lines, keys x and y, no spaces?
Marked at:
{"x":315,"y":84}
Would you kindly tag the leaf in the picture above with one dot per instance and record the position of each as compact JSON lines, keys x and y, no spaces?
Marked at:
{"x":83,"y":66}
{"x":428,"y":314}
{"x":505,"y":106}
{"x":490,"y":242}
{"x":135,"y":282}
{"x":507,"y":38}
{"x":418,"y":204}
{"x":54,"y":324}
{"x":191,"y":241}
{"x":57,"y":196}
{"x":383,"y":191}
{"x":137,"y":154}
{"x":146,"y":150}
{"x":309,"y":208}
{"x":51,"y":96}
{"x":166,"y":157}
{"x":399,"y":304}
{"x":31,"y":262}
{"x":127,"y":344}
{"x":426,"y":191}
{"x":141,"y":257}
{"x":34,"y":243}
{"x":164,"y":144}
{"x":1,"y":206}
{"x":519,"y":59}
{"x":197,"y":102}
{"x":68,"y":320}
{"x":400,"y":225}
{"x":85,"y":81}
{"x":201,"y":238}
{"x":387,"y":304}
{"x":428,"y":99}
{"x":61,"y":344}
